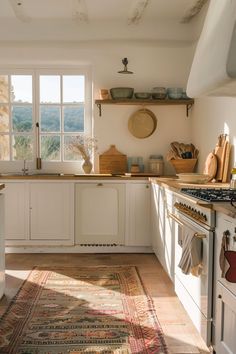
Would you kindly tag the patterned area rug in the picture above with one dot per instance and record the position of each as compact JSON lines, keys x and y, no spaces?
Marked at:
{"x":81,"y":310}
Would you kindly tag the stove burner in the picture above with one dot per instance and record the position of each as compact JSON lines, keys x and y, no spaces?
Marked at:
{"x":211,"y":194}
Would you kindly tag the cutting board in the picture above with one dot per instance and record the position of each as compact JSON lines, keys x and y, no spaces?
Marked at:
{"x":226,"y":162}
{"x":112,"y":161}
{"x":211,"y":165}
{"x":220,"y":151}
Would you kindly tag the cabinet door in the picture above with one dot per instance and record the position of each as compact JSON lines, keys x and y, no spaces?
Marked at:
{"x":225,"y":321}
{"x":158,"y":223}
{"x":100,"y":213}
{"x":16,"y":211}
{"x":138,"y":215}
{"x":2,"y":248}
{"x":169,"y":234}
{"x":51,"y":206}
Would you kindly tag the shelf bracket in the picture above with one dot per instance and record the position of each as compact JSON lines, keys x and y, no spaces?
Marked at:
{"x":99,"y":109}
{"x":188,"y":107}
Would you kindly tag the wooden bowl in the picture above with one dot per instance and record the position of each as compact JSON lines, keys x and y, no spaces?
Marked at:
{"x":183,"y":165}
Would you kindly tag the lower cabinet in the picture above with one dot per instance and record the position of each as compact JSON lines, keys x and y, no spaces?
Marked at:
{"x":163,"y":241}
{"x":51,"y":211}
{"x":100,"y":213}
{"x":39,"y":213}
{"x":226,"y":320}
{"x":224,"y":305}
{"x":16,"y":211}
{"x":138,"y":230}
{"x":2,"y":248}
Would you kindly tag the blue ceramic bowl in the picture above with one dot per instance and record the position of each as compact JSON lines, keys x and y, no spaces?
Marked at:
{"x":175,"y":92}
{"x":121,"y":92}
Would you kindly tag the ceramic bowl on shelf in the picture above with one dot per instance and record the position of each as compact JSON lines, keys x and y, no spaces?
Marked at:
{"x":175,"y":93}
{"x":159,"y":93}
{"x":121,"y":92}
{"x":142,"y":95}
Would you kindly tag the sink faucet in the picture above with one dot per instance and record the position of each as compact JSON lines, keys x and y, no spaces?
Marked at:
{"x":24,"y":169}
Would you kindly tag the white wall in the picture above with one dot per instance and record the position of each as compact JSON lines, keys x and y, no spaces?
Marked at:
{"x":154,"y":64}
{"x":212,"y":116}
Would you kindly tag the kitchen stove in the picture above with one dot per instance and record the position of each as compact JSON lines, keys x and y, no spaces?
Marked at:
{"x":211,"y":195}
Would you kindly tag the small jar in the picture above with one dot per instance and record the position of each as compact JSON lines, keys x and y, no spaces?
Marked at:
{"x":233,"y":179}
{"x":156,"y":165}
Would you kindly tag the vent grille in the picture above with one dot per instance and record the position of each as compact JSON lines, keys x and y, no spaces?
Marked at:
{"x":98,"y":245}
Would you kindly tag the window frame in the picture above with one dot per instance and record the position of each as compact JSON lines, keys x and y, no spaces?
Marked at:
{"x":51,"y":166}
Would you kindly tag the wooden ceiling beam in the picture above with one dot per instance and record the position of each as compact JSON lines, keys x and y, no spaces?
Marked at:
{"x":136,"y":11}
{"x":19,"y":10}
{"x":80,"y":12}
{"x":194,"y":11}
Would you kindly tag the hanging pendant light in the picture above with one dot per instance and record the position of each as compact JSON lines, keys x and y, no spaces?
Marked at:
{"x":125,"y":71}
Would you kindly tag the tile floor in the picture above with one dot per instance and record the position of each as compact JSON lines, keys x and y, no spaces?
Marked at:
{"x":180,"y":334}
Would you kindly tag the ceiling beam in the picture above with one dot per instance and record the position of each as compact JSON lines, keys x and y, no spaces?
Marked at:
{"x":80,"y":12}
{"x":19,"y":10}
{"x":194,"y":11}
{"x":136,"y":11}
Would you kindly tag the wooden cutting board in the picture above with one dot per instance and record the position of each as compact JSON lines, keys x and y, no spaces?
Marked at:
{"x":211,"y":165}
{"x":220,"y":151}
{"x":226,"y":162}
{"x":112,"y":161}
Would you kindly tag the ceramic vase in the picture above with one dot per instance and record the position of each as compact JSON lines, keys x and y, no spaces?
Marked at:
{"x":87,"y":166}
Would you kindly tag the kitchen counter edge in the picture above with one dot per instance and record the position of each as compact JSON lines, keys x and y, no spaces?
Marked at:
{"x":172,"y":184}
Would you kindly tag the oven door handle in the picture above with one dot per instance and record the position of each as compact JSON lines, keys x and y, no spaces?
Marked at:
{"x":181,"y":223}
{"x":172,"y":216}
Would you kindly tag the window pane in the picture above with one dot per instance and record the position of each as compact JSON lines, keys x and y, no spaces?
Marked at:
{"x":4,"y":88}
{"x":73,"y":88}
{"x":69,"y":152}
{"x":22,"y":120}
{"x":49,"y":89}
{"x":22,"y":147}
{"x":50,"y":147}
{"x":21,"y":88}
{"x":4,"y":147}
{"x":73,"y":119}
{"x":50,"y":119}
{"x":4,"y":118}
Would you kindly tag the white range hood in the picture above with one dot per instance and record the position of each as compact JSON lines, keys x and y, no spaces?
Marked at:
{"x":213,"y":70}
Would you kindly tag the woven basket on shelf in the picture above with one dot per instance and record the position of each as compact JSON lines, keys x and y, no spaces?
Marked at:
{"x":183,"y":165}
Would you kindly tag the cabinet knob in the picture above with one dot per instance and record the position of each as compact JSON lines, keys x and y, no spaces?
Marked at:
{"x":147,"y":186}
{"x":219,"y":296}
{"x":99,"y":184}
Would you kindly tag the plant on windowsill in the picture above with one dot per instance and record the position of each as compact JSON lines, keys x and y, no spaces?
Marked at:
{"x":84,"y":145}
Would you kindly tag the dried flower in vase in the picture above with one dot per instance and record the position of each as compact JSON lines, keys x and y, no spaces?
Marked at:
{"x":84,"y":145}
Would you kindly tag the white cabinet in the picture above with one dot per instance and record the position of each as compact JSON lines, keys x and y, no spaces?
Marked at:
{"x":51,"y":211}
{"x":138,"y":232}
{"x":2,"y":247}
{"x":225,"y":320}
{"x":224,"y":306}
{"x":39,"y":213}
{"x":99,"y":214}
{"x":163,"y":241}
{"x":16,"y":211}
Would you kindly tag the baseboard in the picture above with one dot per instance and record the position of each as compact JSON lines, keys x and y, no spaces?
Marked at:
{"x":78,"y":249}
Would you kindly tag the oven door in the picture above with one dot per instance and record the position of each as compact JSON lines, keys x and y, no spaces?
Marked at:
{"x":195,"y":292}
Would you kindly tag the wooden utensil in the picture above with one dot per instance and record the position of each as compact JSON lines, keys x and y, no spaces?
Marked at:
{"x":211,"y":165}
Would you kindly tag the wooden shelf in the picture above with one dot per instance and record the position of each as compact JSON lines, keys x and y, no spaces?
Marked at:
{"x":138,"y":102}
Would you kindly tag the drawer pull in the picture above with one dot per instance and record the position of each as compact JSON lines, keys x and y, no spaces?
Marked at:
{"x":99,"y":184}
{"x":199,"y":235}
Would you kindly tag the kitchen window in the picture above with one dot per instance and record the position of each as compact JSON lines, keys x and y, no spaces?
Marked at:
{"x":57,"y":101}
